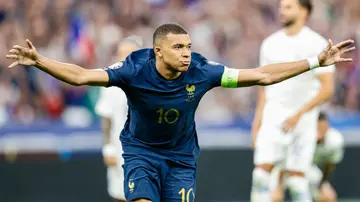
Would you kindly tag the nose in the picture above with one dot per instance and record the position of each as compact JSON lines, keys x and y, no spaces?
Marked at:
{"x":186,"y":53}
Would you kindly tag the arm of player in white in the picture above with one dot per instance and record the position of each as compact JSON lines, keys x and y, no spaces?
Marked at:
{"x":275,"y":73}
{"x":337,"y":154}
{"x":325,"y":92}
{"x":69,"y":73}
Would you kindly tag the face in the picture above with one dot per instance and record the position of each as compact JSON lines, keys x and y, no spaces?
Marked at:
{"x":125,"y":49}
{"x":290,"y":11}
{"x":175,"y":51}
{"x":322,"y":128}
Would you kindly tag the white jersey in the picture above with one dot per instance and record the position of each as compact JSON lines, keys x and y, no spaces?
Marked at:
{"x":112,"y":104}
{"x":288,"y":97}
{"x":331,"y":150}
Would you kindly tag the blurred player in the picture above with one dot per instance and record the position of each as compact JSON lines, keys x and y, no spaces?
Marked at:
{"x":329,"y":152}
{"x":112,"y":107}
{"x":164,"y":86}
{"x":284,"y":128}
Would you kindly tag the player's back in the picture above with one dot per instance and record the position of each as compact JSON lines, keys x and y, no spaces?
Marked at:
{"x":290,"y":95}
{"x":161,"y":112}
{"x":330,"y":149}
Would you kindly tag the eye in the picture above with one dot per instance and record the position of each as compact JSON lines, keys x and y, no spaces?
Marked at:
{"x":177,"y":47}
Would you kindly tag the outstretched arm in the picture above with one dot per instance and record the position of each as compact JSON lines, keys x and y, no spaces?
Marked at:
{"x":275,"y":73}
{"x":69,"y":73}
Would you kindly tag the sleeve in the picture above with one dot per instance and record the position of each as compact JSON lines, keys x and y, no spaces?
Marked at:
{"x":321,"y":45}
{"x":336,"y":155}
{"x":104,"y":104}
{"x":121,"y":74}
{"x":214,"y":72}
{"x":220,"y":75}
{"x":337,"y":149}
{"x":263,"y":60}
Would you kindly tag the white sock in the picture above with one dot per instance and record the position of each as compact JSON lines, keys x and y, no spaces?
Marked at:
{"x":260,"y":190}
{"x":299,"y":189}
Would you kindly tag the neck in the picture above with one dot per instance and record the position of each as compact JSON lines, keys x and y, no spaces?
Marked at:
{"x":295,"y":28}
{"x":165,"y":71}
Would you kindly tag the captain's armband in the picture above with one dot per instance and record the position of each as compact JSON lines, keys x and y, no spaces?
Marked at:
{"x":229,"y":78}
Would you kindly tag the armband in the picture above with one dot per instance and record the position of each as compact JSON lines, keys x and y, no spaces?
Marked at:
{"x":229,"y":78}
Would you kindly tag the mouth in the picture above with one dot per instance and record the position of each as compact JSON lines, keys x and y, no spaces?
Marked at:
{"x":186,"y":62}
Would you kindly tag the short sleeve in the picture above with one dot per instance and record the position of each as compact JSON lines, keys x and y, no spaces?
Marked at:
{"x":263,"y":60}
{"x":104,"y":104}
{"x":120,"y":74}
{"x":214,"y":73}
{"x":321,"y":45}
{"x":337,"y":155}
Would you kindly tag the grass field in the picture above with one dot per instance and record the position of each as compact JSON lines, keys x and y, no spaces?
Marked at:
{"x":349,"y":200}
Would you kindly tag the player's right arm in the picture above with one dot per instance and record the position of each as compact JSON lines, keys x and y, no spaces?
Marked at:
{"x":104,"y":108}
{"x":69,"y":73}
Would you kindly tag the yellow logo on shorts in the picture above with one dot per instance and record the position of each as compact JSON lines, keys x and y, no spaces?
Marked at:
{"x":131,"y":186}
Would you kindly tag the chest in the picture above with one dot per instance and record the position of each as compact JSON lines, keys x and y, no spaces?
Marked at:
{"x":151,"y":94}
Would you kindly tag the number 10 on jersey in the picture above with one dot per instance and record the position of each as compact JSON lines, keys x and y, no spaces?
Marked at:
{"x":170,"y":116}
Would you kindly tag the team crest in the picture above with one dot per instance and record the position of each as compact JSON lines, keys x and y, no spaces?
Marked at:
{"x":191,"y":91}
{"x":131,"y":185}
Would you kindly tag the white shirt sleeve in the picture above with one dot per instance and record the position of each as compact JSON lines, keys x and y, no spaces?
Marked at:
{"x":337,"y":147}
{"x":263,"y":59}
{"x":321,"y":45}
{"x":337,"y":155}
{"x":104,"y":104}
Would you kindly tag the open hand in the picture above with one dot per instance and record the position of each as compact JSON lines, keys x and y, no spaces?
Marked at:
{"x":333,"y":53}
{"x":23,"y":56}
{"x":290,"y":124}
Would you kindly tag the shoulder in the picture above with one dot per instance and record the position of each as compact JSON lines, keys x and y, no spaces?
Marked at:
{"x":134,"y":62}
{"x":273,"y":38}
{"x":140,"y":57}
{"x":316,"y":38}
{"x":200,"y":62}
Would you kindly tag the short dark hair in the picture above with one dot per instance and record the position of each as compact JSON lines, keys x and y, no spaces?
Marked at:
{"x":323,"y":116}
{"x":165,"y":29}
{"x":306,"y":4}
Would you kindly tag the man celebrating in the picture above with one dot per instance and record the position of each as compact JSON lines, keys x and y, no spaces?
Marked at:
{"x":164,"y":86}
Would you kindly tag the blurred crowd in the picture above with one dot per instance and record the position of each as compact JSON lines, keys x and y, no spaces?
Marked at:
{"x":86,"y":32}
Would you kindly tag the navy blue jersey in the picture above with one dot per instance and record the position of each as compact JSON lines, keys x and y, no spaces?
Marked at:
{"x":162,"y":112}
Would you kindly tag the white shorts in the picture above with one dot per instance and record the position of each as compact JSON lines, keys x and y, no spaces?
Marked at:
{"x":115,"y":179}
{"x":294,"y":151}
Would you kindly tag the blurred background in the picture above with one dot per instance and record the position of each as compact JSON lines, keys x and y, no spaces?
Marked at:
{"x":50,"y":138}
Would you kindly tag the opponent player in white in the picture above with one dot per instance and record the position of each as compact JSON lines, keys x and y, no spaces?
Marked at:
{"x":284,"y":128}
{"x":112,"y":107}
{"x":329,"y":152}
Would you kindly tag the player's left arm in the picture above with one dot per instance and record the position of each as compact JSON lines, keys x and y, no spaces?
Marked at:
{"x":275,"y":73}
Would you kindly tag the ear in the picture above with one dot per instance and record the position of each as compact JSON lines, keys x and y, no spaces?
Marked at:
{"x":158,"y":52}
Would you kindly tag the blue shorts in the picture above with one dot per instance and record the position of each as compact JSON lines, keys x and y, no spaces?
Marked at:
{"x":154,"y":176}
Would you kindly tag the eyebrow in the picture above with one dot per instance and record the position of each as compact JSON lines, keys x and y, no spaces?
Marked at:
{"x":182,"y":45}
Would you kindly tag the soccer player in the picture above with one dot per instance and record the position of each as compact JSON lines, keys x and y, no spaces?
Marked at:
{"x":284,"y":127}
{"x":164,"y":86}
{"x":329,"y":152}
{"x":113,"y":117}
